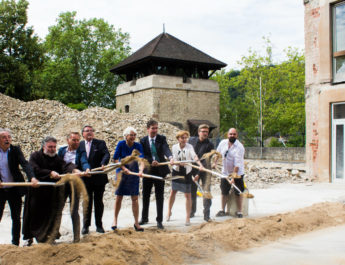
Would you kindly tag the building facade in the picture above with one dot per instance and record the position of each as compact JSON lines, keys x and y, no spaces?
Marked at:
{"x":325,"y":89}
{"x":168,"y":80}
{"x":169,"y":99}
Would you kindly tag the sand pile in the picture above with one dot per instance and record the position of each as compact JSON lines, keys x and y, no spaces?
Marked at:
{"x":176,"y":247}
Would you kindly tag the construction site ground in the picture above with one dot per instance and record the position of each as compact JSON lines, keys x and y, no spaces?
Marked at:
{"x":287,"y":224}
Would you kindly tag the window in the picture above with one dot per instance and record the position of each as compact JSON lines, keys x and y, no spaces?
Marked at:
{"x":338,"y":142}
{"x":338,"y":15}
{"x":126,"y":108}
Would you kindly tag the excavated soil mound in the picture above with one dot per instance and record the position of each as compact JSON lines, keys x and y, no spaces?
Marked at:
{"x":177,"y":247}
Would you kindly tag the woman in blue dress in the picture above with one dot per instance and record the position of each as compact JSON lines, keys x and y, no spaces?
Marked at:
{"x":129,"y":184}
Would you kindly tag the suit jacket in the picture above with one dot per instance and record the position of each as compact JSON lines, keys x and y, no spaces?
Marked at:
{"x":163,"y":151}
{"x":80,"y":158}
{"x":99,"y":155}
{"x":16,"y":158}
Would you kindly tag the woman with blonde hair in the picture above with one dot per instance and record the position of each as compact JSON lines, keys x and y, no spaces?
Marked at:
{"x":181,"y":152}
{"x":129,"y":184}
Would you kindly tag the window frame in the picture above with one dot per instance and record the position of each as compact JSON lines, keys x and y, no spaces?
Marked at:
{"x":334,"y":54}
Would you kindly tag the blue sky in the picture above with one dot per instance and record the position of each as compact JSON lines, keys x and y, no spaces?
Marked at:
{"x":224,"y":29}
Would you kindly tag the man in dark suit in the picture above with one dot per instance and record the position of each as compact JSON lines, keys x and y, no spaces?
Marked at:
{"x":156,"y":150}
{"x":72,"y":154}
{"x":10,"y":159}
{"x":201,"y":145}
{"x":97,"y":156}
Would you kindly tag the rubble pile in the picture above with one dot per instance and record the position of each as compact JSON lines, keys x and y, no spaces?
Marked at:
{"x":261,"y":173}
{"x":31,"y":121}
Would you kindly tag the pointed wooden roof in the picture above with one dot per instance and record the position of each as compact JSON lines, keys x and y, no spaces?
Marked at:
{"x":167,"y":48}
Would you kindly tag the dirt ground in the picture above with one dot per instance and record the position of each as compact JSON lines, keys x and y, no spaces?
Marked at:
{"x":202,"y":242}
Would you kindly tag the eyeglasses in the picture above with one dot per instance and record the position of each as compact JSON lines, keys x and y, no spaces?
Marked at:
{"x":89,"y":130}
{"x":204,"y":131}
{"x":132,"y":135}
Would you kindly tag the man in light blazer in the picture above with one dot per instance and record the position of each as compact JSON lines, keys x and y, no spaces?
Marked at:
{"x":156,"y":150}
{"x":72,"y":154}
{"x":97,"y":156}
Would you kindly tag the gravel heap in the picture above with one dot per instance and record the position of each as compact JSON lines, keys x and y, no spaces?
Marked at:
{"x":31,"y":121}
{"x":263,"y":173}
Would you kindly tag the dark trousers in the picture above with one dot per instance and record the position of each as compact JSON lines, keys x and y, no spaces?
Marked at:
{"x":159,"y":192}
{"x":206,"y":202}
{"x":15,"y":203}
{"x":95,"y":193}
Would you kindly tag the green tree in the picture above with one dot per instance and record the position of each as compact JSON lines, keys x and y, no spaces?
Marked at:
{"x":20,"y":51}
{"x":282,"y":96}
{"x":80,"y":54}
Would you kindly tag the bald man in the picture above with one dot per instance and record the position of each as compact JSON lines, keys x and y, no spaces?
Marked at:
{"x":233,"y":162}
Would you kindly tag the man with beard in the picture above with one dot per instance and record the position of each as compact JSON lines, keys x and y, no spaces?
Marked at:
{"x":201,"y":146}
{"x":10,"y":158}
{"x":72,"y":154}
{"x":233,"y":162}
{"x":43,"y":205}
{"x":97,"y":156}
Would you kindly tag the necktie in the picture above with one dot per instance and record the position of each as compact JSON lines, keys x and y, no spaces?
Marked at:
{"x":88,"y":147}
{"x":154,"y":150}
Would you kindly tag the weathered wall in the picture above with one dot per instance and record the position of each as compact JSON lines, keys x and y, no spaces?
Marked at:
{"x":180,"y":105}
{"x":320,"y":93}
{"x":167,"y":98}
{"x":139,"y":102}
{"x":276,"y":153}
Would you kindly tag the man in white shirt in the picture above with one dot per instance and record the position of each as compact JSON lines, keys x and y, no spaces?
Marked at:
{"x":233,"y":162}
{"x":72,"y":154}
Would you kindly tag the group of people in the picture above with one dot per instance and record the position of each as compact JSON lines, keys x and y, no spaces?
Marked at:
{"x":43,"y":204}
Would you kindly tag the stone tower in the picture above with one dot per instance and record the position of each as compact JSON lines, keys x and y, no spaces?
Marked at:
{"x":168,"y":80}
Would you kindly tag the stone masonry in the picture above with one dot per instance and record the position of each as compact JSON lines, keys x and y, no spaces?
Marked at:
{"x":169,"y":99}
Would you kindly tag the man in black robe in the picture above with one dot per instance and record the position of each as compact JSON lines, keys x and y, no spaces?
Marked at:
{"x":43,"y":205}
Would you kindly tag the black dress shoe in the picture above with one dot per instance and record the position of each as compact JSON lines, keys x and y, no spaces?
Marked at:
{"x":142,"y":222}
{"x":160,"y":225}
{"x":207,"y":219}
{"x":100,"y":229}
{"x":138,"y":229}
{"x":85,"y":230}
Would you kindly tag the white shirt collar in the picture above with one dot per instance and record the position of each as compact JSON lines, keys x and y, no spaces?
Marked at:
{"x":154,"y":139}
